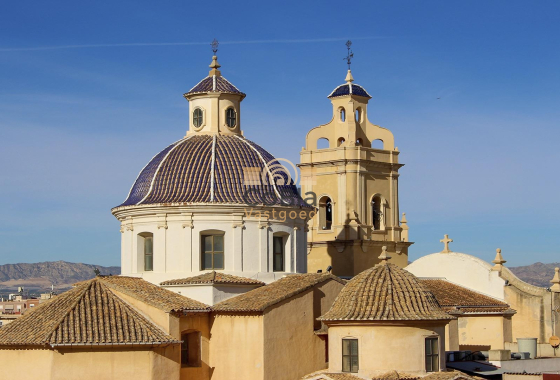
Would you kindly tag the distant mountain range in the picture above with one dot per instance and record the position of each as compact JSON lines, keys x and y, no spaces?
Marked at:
{"x":538,"y":274}
{"x":39,"y":277}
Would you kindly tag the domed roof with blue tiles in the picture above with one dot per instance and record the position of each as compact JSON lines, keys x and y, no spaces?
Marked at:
{"x":349,"y":88}
{"x":227,"y":169}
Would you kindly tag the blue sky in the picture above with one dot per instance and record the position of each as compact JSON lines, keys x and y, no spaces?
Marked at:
{"x":89,"y":92}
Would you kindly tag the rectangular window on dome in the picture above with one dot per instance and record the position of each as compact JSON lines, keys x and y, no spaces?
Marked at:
{"x":432,"y":355}
{"x":350,"y":355}
{"x":213,"y":252}
{"x":278,"y":252}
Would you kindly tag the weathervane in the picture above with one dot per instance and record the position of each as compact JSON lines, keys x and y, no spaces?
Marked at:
{"x":214,"y":45}
{"x":350,"y":55}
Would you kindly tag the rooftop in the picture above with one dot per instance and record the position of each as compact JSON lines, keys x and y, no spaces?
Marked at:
{"x":88,"y":314}
{"x":455,"y":297}
{"x":258,"y":300}
{"x":385,"y":292}
{"x":214,"y":278}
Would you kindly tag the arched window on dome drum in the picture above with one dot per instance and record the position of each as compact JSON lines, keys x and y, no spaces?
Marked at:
{"x":377,"y":213}
{"x":342,"y":114}
{"x":325,"y":213}
{"x":146,"y":249}
{"x":231,"y":117}
{"x":197,"y":117}
{"x":213,"y":251}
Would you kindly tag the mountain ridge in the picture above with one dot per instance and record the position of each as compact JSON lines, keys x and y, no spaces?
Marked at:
{"x":39,"y":277}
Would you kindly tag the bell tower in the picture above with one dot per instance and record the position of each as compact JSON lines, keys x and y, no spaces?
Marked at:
{"x":351,"y":167}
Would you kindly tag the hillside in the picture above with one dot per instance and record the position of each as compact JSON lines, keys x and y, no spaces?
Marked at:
{"x":38,"y":277}
{"x":538,"y":274}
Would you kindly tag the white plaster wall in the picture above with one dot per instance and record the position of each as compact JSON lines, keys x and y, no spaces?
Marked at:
{"x":177,"y":250}
{"x":209,"y":294}
{"x":462,"y":269}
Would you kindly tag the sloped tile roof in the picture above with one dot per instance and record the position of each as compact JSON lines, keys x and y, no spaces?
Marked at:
{"x":326,"y":375}
{"x":214,"y":278}
{"x":260,"y":299}
{"x":88,"y":314}
{"x":184,"y":173}
{"x":385,"y":292}
{"x":153,"y":295}
{"x":455,"y":297}
{"x":349,"y":89}
{"x":214,"y":83}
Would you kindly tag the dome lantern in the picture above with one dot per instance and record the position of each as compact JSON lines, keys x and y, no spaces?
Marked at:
{"x":214,"y":103}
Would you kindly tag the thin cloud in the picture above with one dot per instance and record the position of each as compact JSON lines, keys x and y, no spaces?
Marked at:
{"x":142,"y":44}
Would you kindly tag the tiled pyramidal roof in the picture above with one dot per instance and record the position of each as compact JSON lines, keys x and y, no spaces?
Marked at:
{"x":214,"y":278}
{"x":88,"y":314}
{"x":214,"y":83}
{"x":385,"y":292}
{"x":455,"y":297}
{"x":186,"y":173}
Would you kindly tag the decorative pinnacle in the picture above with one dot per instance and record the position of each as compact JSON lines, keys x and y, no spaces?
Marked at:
{"x":446,"y":240}
{"x":384,"y":257}
{"x":499,"y":260}
{"x":556,"y":281}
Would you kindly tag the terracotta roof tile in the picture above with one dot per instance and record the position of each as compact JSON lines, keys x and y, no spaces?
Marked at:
{"x":259,"y":299}
{"x":214,"y":278}
{"x":153,"y":295}
{"x":385,"y":292}
{"x":455,"y":297}
{"x":88,"y":314}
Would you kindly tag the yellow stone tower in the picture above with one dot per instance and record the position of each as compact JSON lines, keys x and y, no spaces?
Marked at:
{"x":356,"y":187}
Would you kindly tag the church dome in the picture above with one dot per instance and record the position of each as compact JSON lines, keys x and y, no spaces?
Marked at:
{"x":227,"y":169}
{"x":349,"y":89}
{"x":385,"y":292}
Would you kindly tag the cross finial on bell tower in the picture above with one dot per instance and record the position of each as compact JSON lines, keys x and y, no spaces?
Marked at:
{"x":349,"y":79}
{"x":215,"y":65}
{"x":446,"y":240}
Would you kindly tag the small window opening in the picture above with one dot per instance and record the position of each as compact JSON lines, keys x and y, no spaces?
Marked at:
{"x":213,"y":252}
{"x":342,"y":114}
{"x":147,"y":250}
{"x":197,"y":117}
{"x":341,"y":141}
{"x":278,"y":253}
{"x":377,"y":213}
{"x":231,"y":117}
{"x":190,"y":349}
{"x":325,"y":213}
{"x":350,"y":361}
{"x":322,"y":143}
{"x":432,"y":355}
